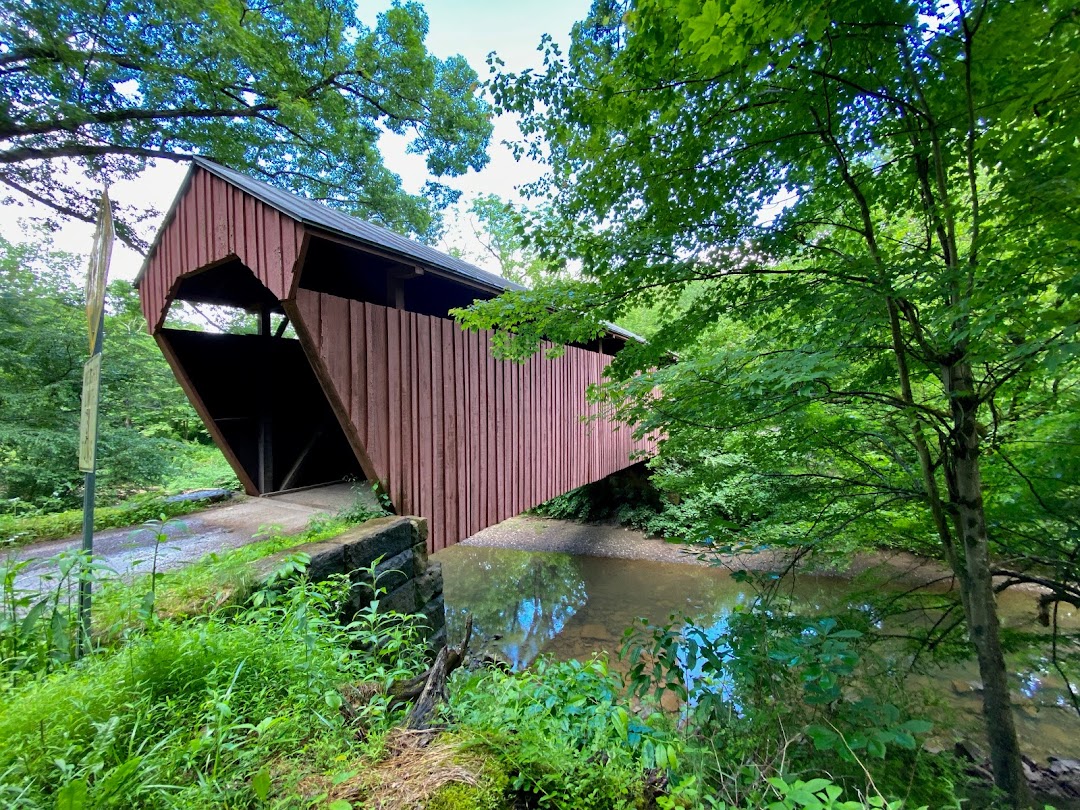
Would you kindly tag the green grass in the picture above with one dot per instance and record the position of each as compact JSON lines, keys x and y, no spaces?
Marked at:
{"x":19,"y":530}
{"x":226,"y":711}
{"x":213,"y":582}
{"x":198,"y":467}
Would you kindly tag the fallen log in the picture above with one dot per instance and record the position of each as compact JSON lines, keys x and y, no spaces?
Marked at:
{"x":425,"y":691}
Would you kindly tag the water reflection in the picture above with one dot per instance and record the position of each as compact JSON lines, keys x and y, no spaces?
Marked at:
{"x":573,"y":607}
{"x":528,"y":603}
{"x":520,"y":600}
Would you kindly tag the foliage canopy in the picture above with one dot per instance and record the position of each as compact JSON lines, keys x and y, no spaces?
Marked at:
{"x":856,"y":224}
{"x":297,"y":93}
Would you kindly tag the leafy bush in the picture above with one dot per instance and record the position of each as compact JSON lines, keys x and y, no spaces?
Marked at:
{"x":560,"y":732}
{"x":200,"y":466}
{"x":768,"y":693}
{"x":627,"y":496}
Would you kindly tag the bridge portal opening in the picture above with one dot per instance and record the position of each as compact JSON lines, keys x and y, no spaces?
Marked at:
{"x":255,"y":386}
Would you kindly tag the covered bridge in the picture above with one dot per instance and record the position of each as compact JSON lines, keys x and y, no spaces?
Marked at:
{"x":355,"y":368}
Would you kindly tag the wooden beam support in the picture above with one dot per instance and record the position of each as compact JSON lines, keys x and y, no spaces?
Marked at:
{"x":266,"y":425}
{"x":294,"y":471}
{"x":395,"y":291}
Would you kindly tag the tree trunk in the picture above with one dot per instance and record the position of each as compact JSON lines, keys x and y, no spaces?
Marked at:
{"x":965,"y":486}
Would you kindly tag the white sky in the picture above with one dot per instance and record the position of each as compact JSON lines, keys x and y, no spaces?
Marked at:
{"x":472,"y":28}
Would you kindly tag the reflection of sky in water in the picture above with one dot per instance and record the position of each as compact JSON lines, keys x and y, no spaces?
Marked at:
{"x":538,"y":626}
{"x":519,"y":601}
{"x":556,"y":604}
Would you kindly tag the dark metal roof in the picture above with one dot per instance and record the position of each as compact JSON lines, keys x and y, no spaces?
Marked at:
{"x":320,"y":216}
{"x":358,"y":230}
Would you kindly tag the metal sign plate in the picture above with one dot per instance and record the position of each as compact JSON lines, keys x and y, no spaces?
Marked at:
{"x":89,"y":414}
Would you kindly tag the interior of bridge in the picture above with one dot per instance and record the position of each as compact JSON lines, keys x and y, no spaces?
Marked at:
{"x":258,"y":389}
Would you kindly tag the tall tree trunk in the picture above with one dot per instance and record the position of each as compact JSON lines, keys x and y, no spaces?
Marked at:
{"x":969,"y":517}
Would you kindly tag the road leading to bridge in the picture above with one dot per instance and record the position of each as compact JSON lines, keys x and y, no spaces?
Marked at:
{"x":129,"y":551}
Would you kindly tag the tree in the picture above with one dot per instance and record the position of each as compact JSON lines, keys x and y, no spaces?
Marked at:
{"x":143,"y":415}
{"x":503,"y":235}
{"x":882,"y":198}
{"x":294,"y":92}
{"x":502,"y":229}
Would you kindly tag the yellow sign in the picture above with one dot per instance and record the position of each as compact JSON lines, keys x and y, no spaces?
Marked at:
{"x":97,"y":275}
{"x":91,"y":382}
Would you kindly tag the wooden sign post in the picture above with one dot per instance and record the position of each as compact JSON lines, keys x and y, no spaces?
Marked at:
{"x":96,"y":278}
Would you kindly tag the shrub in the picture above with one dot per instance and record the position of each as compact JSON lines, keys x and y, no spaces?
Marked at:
{"x":559,"y":731}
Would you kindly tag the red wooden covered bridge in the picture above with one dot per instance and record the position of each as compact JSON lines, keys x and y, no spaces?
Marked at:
{"x":355,"y":368}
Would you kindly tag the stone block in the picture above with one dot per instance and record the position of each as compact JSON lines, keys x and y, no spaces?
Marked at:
{"x":391,"y":573}
{"x":430,"y":583}
{"x":380,"y":538}
{"x":401,"y":600}
{"x":435,"y":611}
{"x":437,"y":640}
{"x":403,"y":571}
{"x":420,"y":528}
{"x":326,"y":557}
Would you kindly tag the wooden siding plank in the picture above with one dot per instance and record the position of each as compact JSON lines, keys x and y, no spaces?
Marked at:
{"x":473,"y":362}
{"x":537,"y":439}
{"x":392,"y":425}
{"x":219,"y":190}
{"x":461,"y":345}
{"x":490,"y":486}
{"x":378,"y":395}
{"x":289,"y":251}
{"x":308,"y":307}
{"x":424,"y":403}
{"x":414,"y":325}
{"x":515,"y":458}
{"x":332,"y":327}
{"x":462,"y":435}
{"x":250,"y":255}
{"x":197,"y":255}
{"x":450,"y":439}
{"x":407,"y":421}
{"x":358,"y":363}
{"x":271,"y":272}
{"x":481,"y":428}
{"x":438,"y":464}
{"x":232,"y":196}
{"x":500,"y":440}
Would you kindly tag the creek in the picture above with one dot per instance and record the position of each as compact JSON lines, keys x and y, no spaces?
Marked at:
{"x":529,"y":603}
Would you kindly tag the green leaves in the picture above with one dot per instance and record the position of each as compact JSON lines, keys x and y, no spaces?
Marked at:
{"x":260,"y":784}
{"x":72,"y":796}
{"x":560,"y":733}
{"x":294,"y":92}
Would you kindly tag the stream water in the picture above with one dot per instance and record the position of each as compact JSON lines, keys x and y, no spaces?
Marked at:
{"x":529,"y":603}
